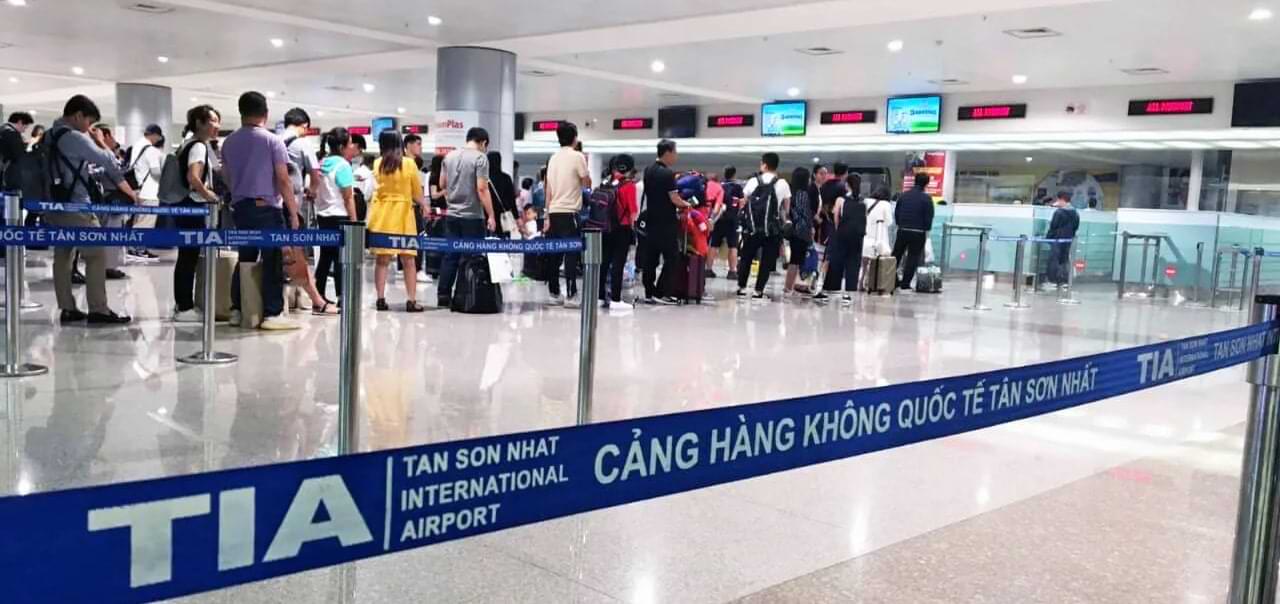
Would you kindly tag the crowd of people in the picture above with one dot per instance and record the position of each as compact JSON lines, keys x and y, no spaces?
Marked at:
{"x":817,"y":223}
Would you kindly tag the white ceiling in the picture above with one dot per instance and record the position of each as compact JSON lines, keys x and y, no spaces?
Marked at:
{"x":716,"y":51}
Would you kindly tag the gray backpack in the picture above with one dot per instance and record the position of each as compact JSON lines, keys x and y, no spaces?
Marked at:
{"x":173,"y":176}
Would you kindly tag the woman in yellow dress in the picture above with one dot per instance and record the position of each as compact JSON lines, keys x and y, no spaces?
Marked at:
{"x":392,"y":213}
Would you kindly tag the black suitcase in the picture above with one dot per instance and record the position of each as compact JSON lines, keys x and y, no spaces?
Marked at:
{"x":475,"y":293}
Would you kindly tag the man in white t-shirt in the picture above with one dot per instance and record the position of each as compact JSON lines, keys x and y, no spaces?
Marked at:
{"x":762,"y":223}
{"x":147,"y":160}
{"x":566,"y":176}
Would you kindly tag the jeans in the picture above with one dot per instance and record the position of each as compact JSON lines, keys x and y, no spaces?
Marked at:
{"x":328,"y":262}
{"x":911,"y":245}
{"x":616,"y":244}
{"x":472,"y":228}
{"x":659,"y":245}
{"x":249,"y":215}
{"x":184,"y":270}
{"x":844,"y":265}
{"x":767,"y":248}
{"x":1059,"y":262}
{"x":563,"y":226}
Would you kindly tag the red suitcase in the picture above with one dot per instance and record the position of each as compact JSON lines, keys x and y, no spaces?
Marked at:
{"x":691,"y":280}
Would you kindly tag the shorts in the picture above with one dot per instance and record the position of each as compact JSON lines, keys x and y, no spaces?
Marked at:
{"x":799,"y":249}
{"x":725,"y":232}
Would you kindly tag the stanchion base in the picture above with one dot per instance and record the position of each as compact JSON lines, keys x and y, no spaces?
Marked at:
{"x":26,"y":305}
{"x":22,"y":370}
{"x":213,"y":358}
{"x":977,"y":308}
{"x":1016,"y":306}
{"x":1069,"y":302}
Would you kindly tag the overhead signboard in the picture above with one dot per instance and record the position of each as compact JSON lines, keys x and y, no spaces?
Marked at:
{"x":737,"y":120}
{"x":1171,"y":106}
{"x":1013,"y":111}
{"x":547,"y":125}
{"x":852,"y":116}
{"x":361,"y":130}
{"x":919,"y":114}
{"x":633,"y":123}
{"x":414,"y":129}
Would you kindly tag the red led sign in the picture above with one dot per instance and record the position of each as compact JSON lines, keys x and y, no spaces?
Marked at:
{"x":361,"y":130}
{"x":547,"y":125}
{"x":860,"y":116}
{"x":413,"y":129}
{"x":1171,"y":106}
{"x":993,"y":112}
{"x":313,"y":132}
{"x":633,"y":123}
{"x":740,"y":120}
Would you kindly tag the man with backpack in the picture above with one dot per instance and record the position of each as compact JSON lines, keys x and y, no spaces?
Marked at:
{"x":567,"y":175}
{"x":724,"y":216}
{"x":661,"y":227}
{"x":614,"y":211}
{"x":304,"y":164}
{"x":73,"y":150}
{"x":13,"y":145}
{"x":145,"y":163}
{"x":768,"y":201}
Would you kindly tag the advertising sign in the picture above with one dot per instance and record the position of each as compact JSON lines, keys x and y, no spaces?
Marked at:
{"x":933,"y":163}
{"x":451,"y":129}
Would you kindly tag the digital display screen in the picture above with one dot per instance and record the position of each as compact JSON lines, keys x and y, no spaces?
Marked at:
{"x":740,"y":120}
{"x":787,"y":118}
{"x":855,"y":116}
{"x":1256,"y":105}
{"x":993,"y":112}
{"x":633,"y":123}
{"x":1171,"y":106}
{"x":361,"y":130}
{"x":546,"y":125}
{"x":413,"y":129}
{"x":383,"y":123}
{"x":914,"y":114}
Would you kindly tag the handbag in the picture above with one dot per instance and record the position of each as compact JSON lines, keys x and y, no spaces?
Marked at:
{"x":500,"y":269}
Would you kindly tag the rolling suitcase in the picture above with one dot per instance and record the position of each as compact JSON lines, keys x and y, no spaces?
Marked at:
{"x":225,"y":266}
{"x":691,"y":282}
{"x":882,"y":276}
{"x":929,"y":280}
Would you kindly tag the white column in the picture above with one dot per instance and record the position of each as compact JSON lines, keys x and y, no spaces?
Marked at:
{"x":481,"y":80}
{"x":1196,"y":180}
{"x":139,"y":105}
{"x":949,"y":178}
{"x":595,"y":166}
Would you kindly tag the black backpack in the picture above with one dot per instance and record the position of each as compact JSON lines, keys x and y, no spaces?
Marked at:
{"x":54,"y":187}
{"x":475,"y":293}
{"x":603,"y":212}
{"x":732,"y":191}
{"x":762,"y":215}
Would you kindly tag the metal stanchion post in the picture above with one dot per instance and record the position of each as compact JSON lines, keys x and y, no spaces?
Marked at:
{"x":1124,"y":263}
{"x":14,"y":263}
{"x":353,"y":234}
{"x":1213,"y":278}
{"x":982,"y":261}
{"x":1067,"y":295}
{"x":1142,"y":268}
{"x":26,"y":303}
{"x":1155,"y":267}
{"x":1019,"y":275}
{"x":1231,"y":277}
{"x":1254,"y":560}
{"x":209,"y":356}
{"x":946,"y":252}
{"x":592,"y":251}
{"x":1254,"y":270}
{"x":1199,"y":271}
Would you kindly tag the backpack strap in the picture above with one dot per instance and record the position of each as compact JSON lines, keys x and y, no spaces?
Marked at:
{"x":55,"y":151}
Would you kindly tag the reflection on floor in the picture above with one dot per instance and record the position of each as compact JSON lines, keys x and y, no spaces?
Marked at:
{"x":1068,"y":507}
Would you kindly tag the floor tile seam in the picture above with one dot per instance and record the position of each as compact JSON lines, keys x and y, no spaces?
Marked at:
{"x":516,"y":555}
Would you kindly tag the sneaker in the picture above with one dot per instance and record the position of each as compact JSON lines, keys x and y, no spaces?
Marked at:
{"x":190,"y":315}
{"x":710,"y":274}
{"x":116,"y":274}
{"x":77,"y":278}
{"x":72,"y":316}
{"x":846,"y":300}
{"x":732,"y":276}
{"x":619,"y":305}
{"x":278,"y":323}
{"x":148,"y":255}
{"x":668,"y":301}
{"x":821,"y":297}
{"x":649,"y":301}
{"x":742,"y":294}
{"x":759,"y":297}
{"x":108,"y":318}
{"x":555,"y":300}
{"x":381,"y":305}
{"x":573,"y":302}
{"x":234,"y":320}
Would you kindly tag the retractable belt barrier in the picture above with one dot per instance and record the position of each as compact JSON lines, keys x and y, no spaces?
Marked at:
{"x":475,"y":246}
{"x":103,"y":208}
{"x":114,"y":237}
{"x":1030,"y":239}
{"x":174,"y":536}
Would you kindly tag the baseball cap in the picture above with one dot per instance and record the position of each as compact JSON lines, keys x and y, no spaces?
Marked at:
{"x":153,"y":129}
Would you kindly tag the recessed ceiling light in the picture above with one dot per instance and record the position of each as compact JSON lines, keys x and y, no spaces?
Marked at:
{"x":817,"y":160}
{"x":17,"y":2}
{"x":13,"y":80}
{"x":1030,"y":159}
{"x":195,"y":100}
{"x":277,"y":42}
{"x":399,"y":109}
{"x":895,"y":45}
{"x":793,"y":91}
{"x":657,"y":67}
{"x":162,"y":59}
{"x":319,"y":114}
{"x":434,"y":21}
{"x":1019,"y":79}
{"x":369,"y":87}
{"x":78,"y":70}
{"x":271,"y":94}
{"x":33,"y":112}
{"x":1260,"y":14}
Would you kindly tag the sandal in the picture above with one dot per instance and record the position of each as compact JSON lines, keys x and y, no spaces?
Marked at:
{"x":413,"y":306}
{"x":329,"y":310}
{"x":382,"y":304}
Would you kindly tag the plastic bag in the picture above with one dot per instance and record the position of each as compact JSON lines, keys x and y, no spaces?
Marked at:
{"x":928,"y":251}
{"x":500,"y":269}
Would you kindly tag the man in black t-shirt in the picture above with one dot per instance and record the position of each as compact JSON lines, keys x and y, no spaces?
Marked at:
{"x":725,"y":231}
{"x":661,"y":226}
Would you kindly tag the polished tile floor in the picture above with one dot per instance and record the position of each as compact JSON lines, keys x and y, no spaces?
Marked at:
{"x":1126,"y":500}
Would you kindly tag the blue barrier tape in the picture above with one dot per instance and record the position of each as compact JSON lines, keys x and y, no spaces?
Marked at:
{"x":101,"y":208}
{"x":103,"y":237}
{"x":170,"y":537}
{"x":475,"y":246}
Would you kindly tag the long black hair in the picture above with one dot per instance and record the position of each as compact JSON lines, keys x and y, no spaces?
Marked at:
{"x":334,"y":141}
{"x":392,"y":151}
{"x":854,"y":181}
{"x":800,"y":179}
{"x":437,"y":168}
